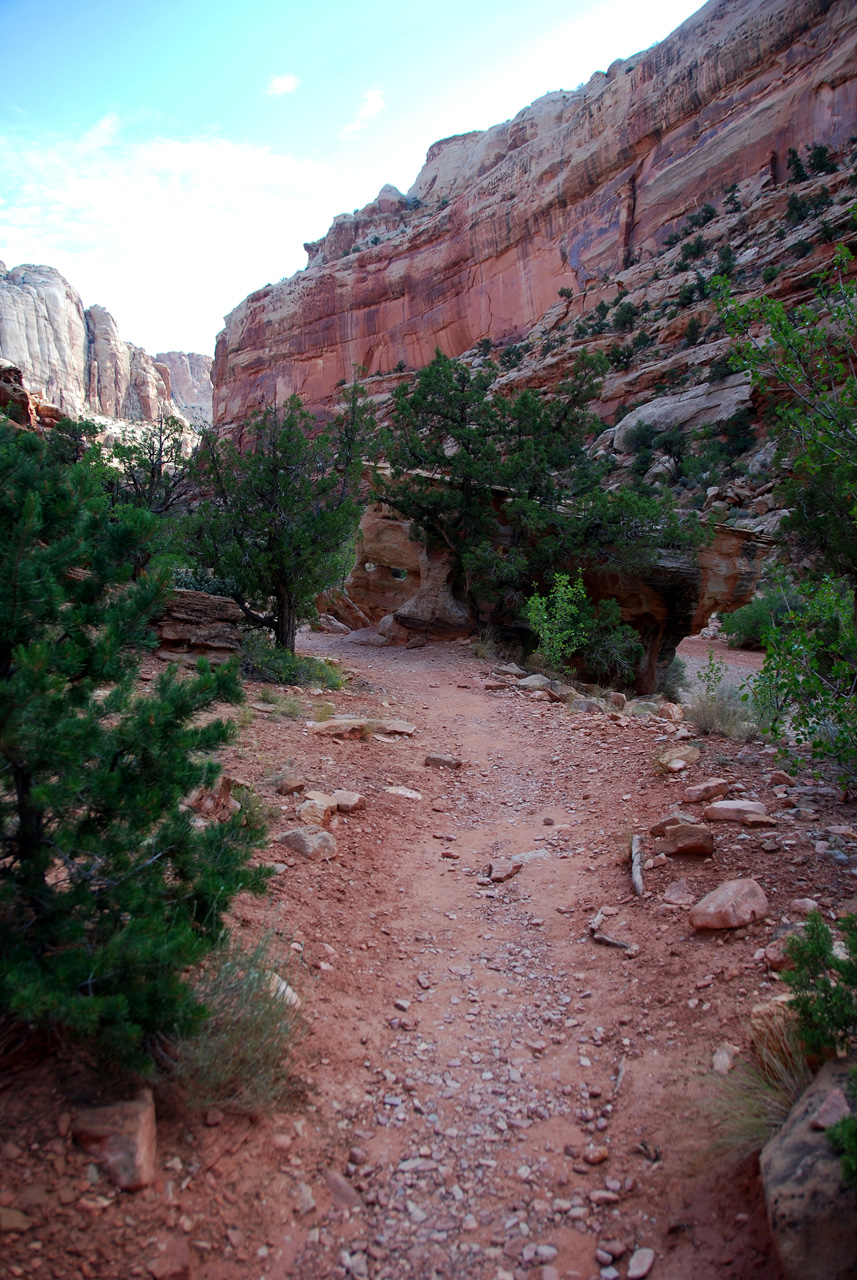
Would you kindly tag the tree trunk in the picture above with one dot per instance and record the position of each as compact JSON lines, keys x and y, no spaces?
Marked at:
{"x":286,"y":621}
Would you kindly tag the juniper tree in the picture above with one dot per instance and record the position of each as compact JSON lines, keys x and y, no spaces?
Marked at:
{"x":107,"y":891}
{"x":279,"y":510}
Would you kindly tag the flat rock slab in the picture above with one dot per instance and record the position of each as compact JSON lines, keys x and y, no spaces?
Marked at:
{"x":122,"y":1138}
{"x":679,"y":894}
{"x":710,"y":789}
{"x":813,"y":1216}
{"x":730,"y":906}
{"x":502,"y":869}
{"x":436,"y":760}
{"x":673,"y":820}
{"x":356,"y":726}
{"x":689,"y":754}
{"x":733,"y":810}
{"x":348,"y":801}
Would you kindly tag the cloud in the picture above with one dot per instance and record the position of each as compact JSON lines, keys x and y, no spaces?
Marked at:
{"x":279,"y":85}
{"x":371,"y":107}
{"x":168,"y":234}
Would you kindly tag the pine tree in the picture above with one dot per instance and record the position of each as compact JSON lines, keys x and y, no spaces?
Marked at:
{"x":107,"y":891}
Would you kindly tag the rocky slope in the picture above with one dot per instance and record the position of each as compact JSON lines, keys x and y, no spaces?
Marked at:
{"x":72,"y":360}
{"x":570,"y":190}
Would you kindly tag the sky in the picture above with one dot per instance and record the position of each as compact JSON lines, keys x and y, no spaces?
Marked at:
{"x":171,"y":156}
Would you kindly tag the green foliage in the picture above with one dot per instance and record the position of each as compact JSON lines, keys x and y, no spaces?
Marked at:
{"x":572,"y":631}
{"x":511,"y":357}
{"x":674,"y":680}
{"x":795,"y":166}
{"x":107,"y":891}
{"x":693,"y":331}
{"x":731,"y":202}
{"x":241,"y":1057}
{"x":620,"y":357}
{"x":843,"y":1137}
{"x":560,"y":620}
{"x":810,"y":671}
{"x":262,"y":660}
{"x":769,"y":274}
{"x":798,"y":210}
{"x":624,"y":316}
{"x":691,"y":251}
{"x":804,"y":356}
{"x":747,"y":627}
{"x":566,"y":293}
{"x":281,"y":508}
{"x":824,"y":984}
{"x":484,"y":346}
{"x":820,"y":160}
{"x":725,"y":260}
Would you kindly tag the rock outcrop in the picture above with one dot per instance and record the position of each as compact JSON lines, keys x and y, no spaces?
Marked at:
{"x":73,"y":362}
{"x":196,"y":625}
{"x":190,"y":383}
{"x":575,"y":186}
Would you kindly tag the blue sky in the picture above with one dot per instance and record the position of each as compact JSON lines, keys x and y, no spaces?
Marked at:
{"x":169,"y":158}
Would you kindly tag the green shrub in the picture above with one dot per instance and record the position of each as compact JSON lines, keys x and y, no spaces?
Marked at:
{"x":795,"y":166}
{"x":693,"y":331}
{"x":769,"y":274}
{"x":731,"y":202}
{"x":262,"y":660}
{"x":624,"y":316}
{"x":810,"y":670}
{"x":511,"y":357}
{"x":746,"y":627}
{"x":820,"y":160}
{"x":824,"y":984}
{"x":242,"y":1056}
{"x":693,"y":249}
{"x":620,"y":357}
{"x":725,"y":260}
{"x":574,"y":632}
{"x":108,"y":893}
{"x":843,"y":1137}
{"x":674,"y":680}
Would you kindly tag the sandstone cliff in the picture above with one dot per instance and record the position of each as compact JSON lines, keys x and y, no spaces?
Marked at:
{"x":190,"y":381}
{"x":73,"y":361}
{"x":575,"y":186}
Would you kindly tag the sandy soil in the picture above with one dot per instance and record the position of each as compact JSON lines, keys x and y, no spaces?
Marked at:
{"x":471,"y":1049}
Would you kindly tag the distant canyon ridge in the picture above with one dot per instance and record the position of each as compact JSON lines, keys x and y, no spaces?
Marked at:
{"x":58,"y":358}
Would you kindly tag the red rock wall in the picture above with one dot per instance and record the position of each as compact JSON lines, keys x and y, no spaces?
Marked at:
{"x":498,"y":221}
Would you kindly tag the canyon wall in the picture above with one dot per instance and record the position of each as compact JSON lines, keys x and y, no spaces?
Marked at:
{"x":572,"y":189}
{"x":73,"y":361}
{"x":190,"y":381}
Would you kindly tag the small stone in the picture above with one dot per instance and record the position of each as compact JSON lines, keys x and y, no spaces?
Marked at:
{"x":779,"y":778}
{"x":14,"y":1220}
{"x":317,"y":809}
{"x":123,"y":1139}
{"x":289,"y":784}
{"x":402,"y":1005}
{"x":688,"y":754}
{"x":214,"y":1117}
{"x":305,"y":1203}
{"x":173,"y":1263}
{"x":502,"y":869}
{"x":731,"y":905}
{"x":710,"y":789}
{"x":803,"y":906}
{"x":676,"y":819}
{"x":405,"y":792}
{"x":596,"y":1155}
{"x":834,"y":1108}
{"x":722,"y":1059}
{"x":349,"y":801}
{"x":435,"y":760}
{"x":310,"y":842}
{"x":679,"y":894}
{"x":640,"y":1264}
{"x":358,"y":1156}
{"x":341,"y":1190}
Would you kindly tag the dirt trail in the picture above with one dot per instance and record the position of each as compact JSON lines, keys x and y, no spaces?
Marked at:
{"x":488,"y":1092}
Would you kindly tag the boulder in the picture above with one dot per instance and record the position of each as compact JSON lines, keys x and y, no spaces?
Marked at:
{"x":349,"y":801}
{"x":436,"y":760}
{"x":812,"y":1214}
{"x":199,"y":624}
{"x":534,"y":682}
{"x":122,"y":1138}
{"x":310,"y":842}
{"x":730,"y":906}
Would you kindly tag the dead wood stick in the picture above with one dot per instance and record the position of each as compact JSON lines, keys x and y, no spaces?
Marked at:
{"x":637,"y":865}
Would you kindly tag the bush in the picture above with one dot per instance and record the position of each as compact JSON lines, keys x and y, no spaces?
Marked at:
{"x":241,"y":1058}
{"x":824,"y":984}
{"x":718,"y":707}
{"x":820,"y":159}
{"x":810,"y":670}
{"x":674,"y":680}
{"x":262,"y":660}
{"x":107,"y":890}
{"x":746,"y":627}
{"x":511,"y":357}
{"x":769,"y":274}
{"x":795,"y":166}
{"x":624,"y":316}
{"x":693,"y":331}
{"x":574,"y":632}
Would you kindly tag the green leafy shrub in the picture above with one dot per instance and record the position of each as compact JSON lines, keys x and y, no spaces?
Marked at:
{"x":795,"y":166}
{"x":824,"y":984}
{"x":731,"y":202}
{"x":620,"y":357}
{"x":746,"y":627}
{"x":719,"y":707}
{"x":624,"y":316}
{"x":843,"y":1137}
{"x":107,"y":890}
{"x":261,"y":659}
{"x":511,"y":357}
{"x":769,"y":274}
{"x":574,"y":632}
{"x":693,"y":331}
{"x":810,"y":668}
{"x":674,"y":680}
{"x":241,"y":1057}
{"x":692,"y":250}
{"x":820,"y":160}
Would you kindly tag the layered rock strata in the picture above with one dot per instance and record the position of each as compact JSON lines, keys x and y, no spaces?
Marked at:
{"x":73,"y":362}
{"x":575,"y":186}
